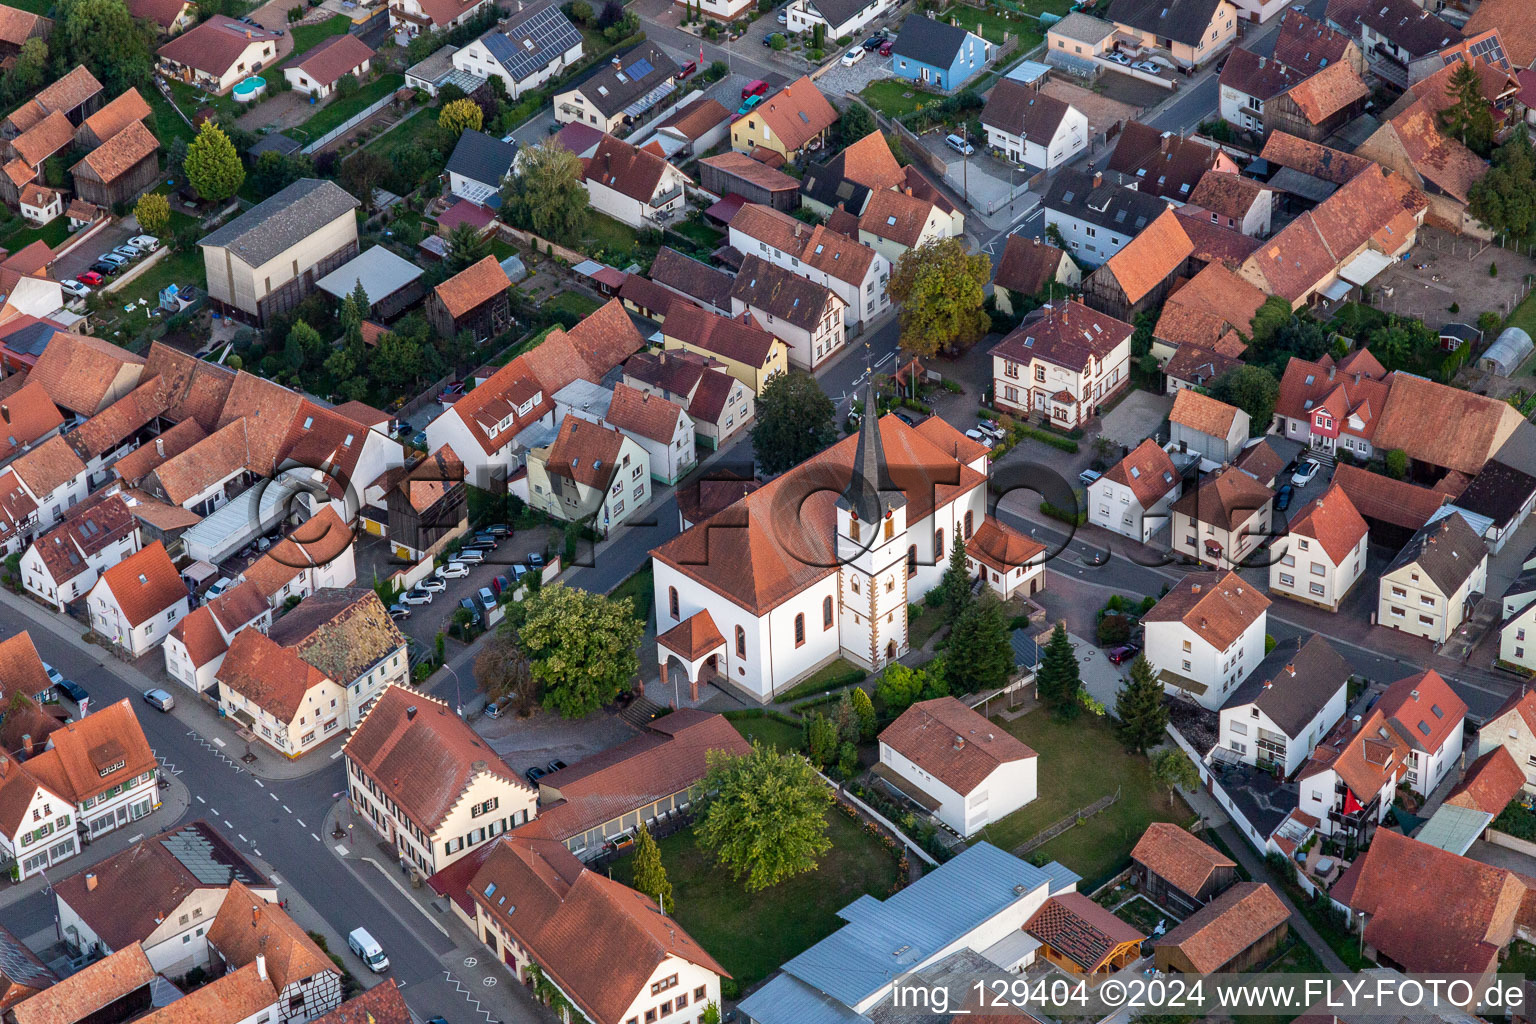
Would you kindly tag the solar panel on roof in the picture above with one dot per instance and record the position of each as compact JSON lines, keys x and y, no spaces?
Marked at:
{"x":640,"y":68}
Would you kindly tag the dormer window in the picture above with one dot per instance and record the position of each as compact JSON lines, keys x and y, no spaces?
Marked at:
{"x":109,"y":769}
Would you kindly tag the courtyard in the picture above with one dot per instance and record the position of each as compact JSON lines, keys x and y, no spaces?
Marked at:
{"x":1442,"y":269}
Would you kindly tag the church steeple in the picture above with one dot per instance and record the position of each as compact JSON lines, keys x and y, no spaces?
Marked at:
{"x":870,"y":491}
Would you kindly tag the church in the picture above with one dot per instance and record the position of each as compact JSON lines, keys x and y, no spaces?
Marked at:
{"x":822,"y":562}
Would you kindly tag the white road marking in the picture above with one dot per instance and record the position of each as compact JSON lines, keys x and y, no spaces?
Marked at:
{"x":228,"y":825}
{"x":213,"y":811}
{"x":314,"y":837}
{"x":258,"y":782}
{"x":201,"y":800}
{"x":242,"y":838}
{"x":273,"y":796}
{"x":134,"y":839}
{"x":285,"y":807}
{"x":301,"y":822}
{"x":341,"y":851}
{"x":338,"y":753}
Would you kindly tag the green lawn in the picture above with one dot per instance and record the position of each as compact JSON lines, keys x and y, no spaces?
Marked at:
{"x":192,"y":99}
{"x":574,"y":303}
{"x":1081,"y":761}
{"x":19,"y":234}
{"x":770,"y":732}
{"x":995,"y":22}
{"x":751,"y":934}
{"x":181,"y":268}
{"x":1524,"y":315}
{"x":168,"y":124}
{"x":1143,"y":915}
{"x":890,"y":97}
{"x":639,"y":588}
{"x":337,"y":112}
{"x":619,"y":242}
{"x":831,"y":676}
{"x":701,"y":233}
{"x":920,"y":629}
{"x":306,"y":37}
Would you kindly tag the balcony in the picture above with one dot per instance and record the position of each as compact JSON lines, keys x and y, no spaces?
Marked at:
{"x":663,"y":198}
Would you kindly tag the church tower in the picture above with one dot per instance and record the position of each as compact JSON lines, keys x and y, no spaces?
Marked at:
{"x":871,"y":548}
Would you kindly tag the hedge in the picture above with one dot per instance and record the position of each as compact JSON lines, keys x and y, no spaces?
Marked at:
{"x":1046,"y":508}
{"x":1065,"y":444}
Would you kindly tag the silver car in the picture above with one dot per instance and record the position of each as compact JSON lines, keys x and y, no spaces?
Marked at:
{"x":158,"y":698}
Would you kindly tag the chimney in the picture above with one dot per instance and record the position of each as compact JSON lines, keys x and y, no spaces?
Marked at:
{"x":90,"y":881}
{"x":959,"y":741}
{"x":261,"y":966}
{"x":255,"y":914}
{"x":1239,"y":591}
{"x":160,"y":447}
{"x":1268,"y":683}
{"x":908,"y":190}
{"x":1262,"y":62}
{"x":410,"y":713}
{"x":1194,"y":588}
{"x":1098,"y":178}
{"x":1330,"y":372}
{"x":26,"y":743}
{"x":1204,"y":622}
{"x":1291,"y":669}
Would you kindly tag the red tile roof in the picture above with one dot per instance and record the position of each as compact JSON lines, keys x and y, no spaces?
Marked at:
{"x":248,"y":926}
{"x":694,"y":637}
{"x":1424,"y":708}
{"x":1079,"y":929}
{"x":214,"y":45}
{"x":797,"y":113}
{"x":1179,"y":858}
{"x":470,"y":287}
{"x":382,"y":1004}
{"x":1068,"y":334}
{"x":1328,"y":92}
{"x":1333,"y":521}
{"x":954,"y":744}
{"x":21,"y":670}
{"x":820,"y":247}
{"x":868,"y":162}
{"x":1202,"y":413}
{"x":640,"y":412}
{"x":80,"y":763}
{"x":144,"y":459}
{"x":741,"y":340}
{"x":1147,"y":471}
{"x":1152,"y":257}
{"x":1002,"y":548}
{"x":339,"y":55}
{"x":82,"y":373}
{"x":1215,"y":608}
{"x":1491,"y":782}
{"x":144,"y":584}
{"x":90,"y":991}
{"x":1226,"y":500}
{"x":1227,"y":926}
{"x":1028,"y":265}
{"x":268,"y":410}
{"x":117,"y":115}
{"x":86,"y":530}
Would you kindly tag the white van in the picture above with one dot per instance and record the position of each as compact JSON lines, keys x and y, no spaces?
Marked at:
{"x":368,"y":948}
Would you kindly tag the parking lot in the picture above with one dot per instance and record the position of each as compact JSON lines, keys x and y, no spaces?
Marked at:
{"x":851,"y":81}
{"x":75,"y":262}
{"x":984,"y":181}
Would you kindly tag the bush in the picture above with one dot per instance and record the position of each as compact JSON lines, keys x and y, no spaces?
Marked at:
{"x":844,"y":40}
{"x":1113,"y":630}
{"x":1493,"y":270}
{"x":777,"y":41}
{"x":1046,"y":508}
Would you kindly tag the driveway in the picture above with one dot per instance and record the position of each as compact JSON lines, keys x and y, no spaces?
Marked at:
{"x":280,"y":112}
{"x":985,"y":183}
{"x":840,"y":79}
{"x":79,"y":259}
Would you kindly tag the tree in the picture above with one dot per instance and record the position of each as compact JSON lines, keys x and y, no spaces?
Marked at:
{"x":29,"y":72}
{"x":364,"y":171}
{"x":466,"y":247}
{"x":348,"y":85}
{"x":954,"y":587}
{"x":1058,"y":680}
{"x":581,"y":11}
{"x":794,"y":421}
{"x":1396,"y":462}
{"x":1503,"y":199}
{"x":1468,"y":118}
{"x":939,"y":288}
{"x":546,"y":195}
{"x":581,"y":647}
{"x":821,"y":739}
{"x":777,"y":42}
{"x":855,"y":122}
{"x":103,"y":36}
{"x":459,"y":116}
{"x":213,"y":167}
{"x":1140,"y":708}
{"x":274,"y":172}
{"x":502,"y":670}
{"x":303,"y":346}
{"x":847,"y":718}
{"x":899,"y":686}
{"x":765,"y":816}
{"x":1252,"y":389}
{"x":153,"y":212}
{"x":864,"y":709}
{"x":1173,"y":768}
{"x":1269,"y":318}
{"x":650,"y":874}
{"x":978,"y":655}
{"x":711,"y":1014}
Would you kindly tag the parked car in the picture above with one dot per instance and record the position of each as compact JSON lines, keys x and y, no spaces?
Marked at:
{"x":54,"y":676}
{"x":688,"y":69}
{"x":959,"y":145}
{"x":1125,"y":652}
{"x":853,"y":56}
{"x":1305,"y":473}
{"x":451,"y":392}
{"x":220,"y":585}
{"x":1148,"y":66}
{"x":556,"y":765}
{"x":74,"y":288}
{"x":498,"y":530}
{"x":101,"y":269}
{"x":885,"y":48}
{"x":451,"y":571}
{"x":487,"y":539}
{"x":487,"y":598}
{"x":399,"y":612}
{"x":756,"y":87}
{"x":147,"y":243}
{"x":749,"y":104}
{"x":500,"y":583}
{"x":976,"y":435}
{"x":1118,"y":58}
{"x":470,"y":556}
{"x":1283,"y":497}
{"x":1088,"y":476}
{"x":73,"y":690}
{"x":129,"y":252}
{"x":414,"y":597}
{"x":368,"y":948}
{"x":783,"y":19}
{"x":432,"y":585}
{"x":519,"y":571}
{"x":468,"y":604}
{"x":991,"y":430}
{"x":113,"y":259}
{"x":91,"y":278}
{"x":158,"y":698}
{"x":495,"y":708}
{"x":873,"y":42}
{"x":535,"y":560}
{"x":534,"y":774}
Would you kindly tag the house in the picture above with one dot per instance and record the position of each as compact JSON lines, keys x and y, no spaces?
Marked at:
{"x":695,"y":128}
{"x":937,"y":54}
{"x":718,"y":403}
{"x":480,"y":163}
{"x":1394,"y":510}
{"x":1412,"y":737}
{"x":746,"y":350}
{"x":169,"y":16}
{"x":606,"y":949}
{"x":806,"y":316}
{"x":30,"y":150}
{"x":1328,"y":536}
{"x":1030,"y":267}
{"x":1393,"y":34}
{"x":1032,"y":128}
{"x":77,"y":95}
{"x":347,"y":634}
{"x":783,"y":611}
{"x":28,"y":416}
{"x":1008,"y":561}
{"x":254,"y":937}
{"x":428,"y":507}
{"x":658,"y":425}
{"x":1191,"y":32}
{"x":857,"y":274}
{"x":410,"y":18}
{"x":956,"y":764}
{"x":1334,"y":406}
{"x":39,"y":205}
{"x":793,"y":119}
{"x":733,"y":173}
{"x":1141,"y":274}
{"x":1237,"y":931}
{"x":1490,"y":783}
{"x":633,"y":186}
{"x":591,"y":473}
{"x":24,"y":975}
{"x":1263,"y":93}
{"x":1430,"y":587}
{"x":839,"y":17}
{"x":1206,"y":635}
{"x":117,"y":988}
{"x":622,"y":93}
{"x":1307,"y":173}
{"x":1515,"y":31}
{"x":1470,"y":908}
{"x":980,"y":900}
{"x":1163,"y":164}
{"x":1179,"y":871}
{"x":475,"y":300}
{"x":1081,"y":937}
{"x":316,"y":554}
{"x":1096,"y":218}
{"x":18,"y":26}
{"x":1290,"y":702}
{"x":532,"y":46}
{"x":103,"y":765}
{"x":1517,"y":626}
{"x":1063,"y":363}
{"x":196,"y":646}
{"x":847,"y":177}
{"x":382,"y":1004}
{"x":162,"y":893}
{"x":701,"y":284}
{"x":267,"y":260}
{"x":319,"y":68}
{"x":1133,"y":495}
{"x":217,"y":53}
{"x":1213,"y":430}
{"x":427,"y":783}
{"x":895,"y":221}
{"x":63,"y":564}
{"x":390,"y":283}
{"x":1076,"y":43}
{"x":37,"y":829}
{"x":1412,"y":144}
{"x":642,"y":781}
{"x":136,"y":602}
{"x":1513,"y":727}
{"x":1234,"y":201}
{"x":1194,"y":367}
{"x":1442,"y":428}
{"x":1214,"y":311}
{"x":1224,"y":520}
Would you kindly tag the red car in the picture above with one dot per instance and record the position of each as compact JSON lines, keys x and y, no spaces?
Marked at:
{"x":1124,"y":653}
{"x":687,"y":69}
{"x":90,"y":277}
{"x":885,"y":48}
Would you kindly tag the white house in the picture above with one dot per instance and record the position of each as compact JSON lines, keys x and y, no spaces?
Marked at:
{"x":1133,"y":495}
{"x":103,"y":765}
{"x":857,"y":274}
{"x":254,"y":937}
{"x":136,"y":602}
{"x":841,"y":17}
{"x":1513,"y":727}
{"x":806,"y":316}
{"x":1224,"y":521}
{"x":955,"y":762}
{"x":37,"y":828}
{"x":659,"y":426}
{"x":431,"y":818}
{"x":1206,"y":635}
{"x":1322,"y":553}
{"x":409,"y":18}
{"x":1517,"y":627}
{"x":320,"y":68}
{"x":316,"y":554}
{"x":1210,"y":428}
{"x":196,"y":646}
{"x":63,"y":565}
{"x":492,"y":427}
{"x":525,"y":51}
{"x":1281,"y":711}
{"x":54,"y":477}
{"x":633,"y":186}
{"x":1031,"y":128}
{"x":1063,"y":362}
{"x":1096,"y":218}
{"x":478,"y":167}
{"x":1431,"y":585}
{"x":591,"y":473}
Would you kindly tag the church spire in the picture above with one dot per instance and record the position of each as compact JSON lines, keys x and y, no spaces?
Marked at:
{"x":870,"y":491}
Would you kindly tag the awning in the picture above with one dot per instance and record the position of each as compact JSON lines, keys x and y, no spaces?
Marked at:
{"x":1454,"y":828}
{"x":726,"y":208}
{"x":650,"y":99}
{"x":906,"y":787}
{"x":1363,"y":268}
{"x":1337,"y":290}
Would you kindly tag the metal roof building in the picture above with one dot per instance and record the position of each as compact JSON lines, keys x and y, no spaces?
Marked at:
{"x":392,"y":283}
{"x":1507,"y":353}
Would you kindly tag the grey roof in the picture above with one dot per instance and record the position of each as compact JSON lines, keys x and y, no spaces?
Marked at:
{"x":884,"y":938}
{"x":1026,"y":653}
{"x":823,"y":185}
{"x":930,"y":42}
{"x":531,"y":40}
{"x":1454,"y":828}
{"x":1107,"y":205}
{"x":276,"y":142}
{"x":20,"y":966}
{"x":265,"y":230}
{"x":1499,"y":492}
{"x":209,"y":856}
{"x":788,"y":1000}
{"x":31,"y":339}
{"x":1408,"y":25}
{"x":480,"y":157}
{"x":687,"y":276}
{"x":836,"y":12}
{"x":1260,"y":797}
{"x":628,"y":78}
{"x":1085,"y":28}
{"x":380,"y":271}
{"x":1294,"y":682}
{"x":780,"y":293}
{"x":1447,"y":551}
{"x":1184,"y":21}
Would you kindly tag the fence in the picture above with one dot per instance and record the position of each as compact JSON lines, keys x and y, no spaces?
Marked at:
{"x":1075,"y":818}
{"x":882,"y":820}
{"x":529,"y":240}
{"x":348,"y":125}
{"x":154,"y":257}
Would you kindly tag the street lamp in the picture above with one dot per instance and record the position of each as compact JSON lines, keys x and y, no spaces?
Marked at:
{"x":458,"y":693}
